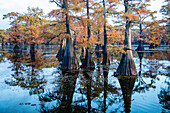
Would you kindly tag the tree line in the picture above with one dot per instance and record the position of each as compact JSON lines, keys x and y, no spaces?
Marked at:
{"x":84,"y":23}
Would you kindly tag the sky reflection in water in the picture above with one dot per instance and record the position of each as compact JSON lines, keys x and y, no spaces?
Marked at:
{"x":40,"y":86}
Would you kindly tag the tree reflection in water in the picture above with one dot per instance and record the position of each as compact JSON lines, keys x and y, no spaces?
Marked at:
{"x":88,"y":91}
{"x":63,"y":95}
{"x":127,"y":84}
{"x":26,"y":77}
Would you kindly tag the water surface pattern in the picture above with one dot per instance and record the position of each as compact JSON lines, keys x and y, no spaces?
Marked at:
{"x":28,"y":86}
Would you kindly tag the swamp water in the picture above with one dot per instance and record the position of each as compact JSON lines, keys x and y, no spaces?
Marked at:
{"x":28,"y":86}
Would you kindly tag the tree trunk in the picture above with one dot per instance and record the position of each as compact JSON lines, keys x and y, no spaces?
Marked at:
{"x":151,"y":46}
{"x":127,"y":65}
{"x":16,"y":49}
{"x":106,"y":60}
{"x":83,"y":54}
{"x":140,"y":46}
{"x":98,"y":50}
{"x":88,"y":63}
{"x":32,"y":51}
{"x":60,"y":54}
{"x":88,"y":23}
{"x":69,"y":62}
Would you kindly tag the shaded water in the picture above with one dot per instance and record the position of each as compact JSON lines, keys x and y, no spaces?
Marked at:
{"x":40,"y":86}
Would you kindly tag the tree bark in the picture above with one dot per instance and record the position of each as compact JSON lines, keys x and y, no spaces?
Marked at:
{"x":127,"y":65}
{"x":60,"y":54}
{"x":16,"y":49}
{"x":88,"y":63}
{"x":32,"y":51}
{"x":140,"y":46}
{"x":69,"y":62}
{"x":106,"y":60}
{"x":88,"y":23}
{"x":98,"y":50}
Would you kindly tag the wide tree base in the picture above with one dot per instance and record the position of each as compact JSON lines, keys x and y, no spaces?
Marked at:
{"x":88,"y":63}
{"x":98,"y":50}
{"x":152,"y":46}
{"x":127,"y":65}
{"x":69,"y":62}
{"x":106,"y":58}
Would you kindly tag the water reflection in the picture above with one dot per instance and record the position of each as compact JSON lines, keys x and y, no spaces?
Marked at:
{"x":86,"y":91}
{"x":105,"y":73}
{"x":127,"y":84}
{"x":26,"y":77}
{"x":63,"y":94}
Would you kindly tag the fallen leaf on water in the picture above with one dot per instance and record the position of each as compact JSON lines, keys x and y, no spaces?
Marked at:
{"x":27,"y":103}
{"x":33,"y":104}
{"x":21,"y":104}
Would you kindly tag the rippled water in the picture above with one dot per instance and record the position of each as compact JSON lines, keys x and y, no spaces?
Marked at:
{"x":40,"y":86}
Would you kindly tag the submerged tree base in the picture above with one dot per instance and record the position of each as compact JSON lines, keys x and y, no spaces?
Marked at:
{"x":140,"y":48}
{"x":69,"y":62}
{"x":151,"y":46}
{"x":106,"y":58}
{"x":88,"y":63}
{"x":98,"y":50}
{"x":127,"y":65}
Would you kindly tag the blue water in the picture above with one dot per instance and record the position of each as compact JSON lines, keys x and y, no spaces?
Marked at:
{"x":40,"y":86}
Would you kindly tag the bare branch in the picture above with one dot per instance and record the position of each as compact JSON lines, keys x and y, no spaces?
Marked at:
{"x":56,"y":3}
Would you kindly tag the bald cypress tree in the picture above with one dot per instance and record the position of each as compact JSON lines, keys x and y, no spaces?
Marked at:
{"x":127,"y":65}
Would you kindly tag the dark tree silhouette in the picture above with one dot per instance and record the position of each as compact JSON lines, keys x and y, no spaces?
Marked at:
{"x":127,"y":84}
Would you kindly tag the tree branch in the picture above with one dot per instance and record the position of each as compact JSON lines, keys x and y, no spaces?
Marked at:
{"x":56,"y":3}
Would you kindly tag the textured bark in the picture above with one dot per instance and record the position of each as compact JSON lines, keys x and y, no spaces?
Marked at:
{"x":106,"y":58}
{"x":127,"y":65}
{"x":70,"y":62}
{"x":60,"y":54}
{"x":88,"y":62}
{"x":127,"y":84}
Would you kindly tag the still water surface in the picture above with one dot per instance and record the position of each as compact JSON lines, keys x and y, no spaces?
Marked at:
{"x":28,"y":86}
